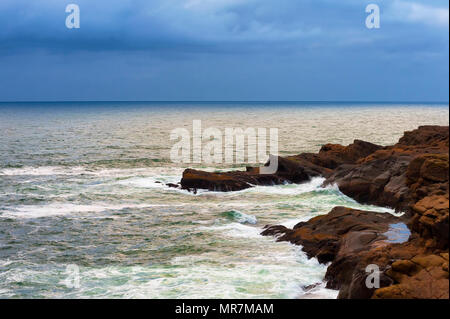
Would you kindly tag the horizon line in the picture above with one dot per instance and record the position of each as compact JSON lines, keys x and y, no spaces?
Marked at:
{"x":224,"y":101}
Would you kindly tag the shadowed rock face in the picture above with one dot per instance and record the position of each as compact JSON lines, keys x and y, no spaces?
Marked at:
{"x":352,"y":239}
{"x":288,"y":172}
{"x":343,"y":236}
{"x":293,"y":169}
{"x":411,"y":176}
{"x":332,"y":156}
{"x":398,"y":175}
{"x":341,"y":232}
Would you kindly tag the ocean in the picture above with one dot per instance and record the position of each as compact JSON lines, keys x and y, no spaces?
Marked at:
{"x":83,"y":186}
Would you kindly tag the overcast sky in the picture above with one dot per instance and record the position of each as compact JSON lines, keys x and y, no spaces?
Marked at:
{"x":224,"y":50}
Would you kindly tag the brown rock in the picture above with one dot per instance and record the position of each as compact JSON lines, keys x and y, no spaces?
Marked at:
{"x":404,"y":266}
{"x":435,"y":167}
{"x":288,"y":172}
{"x":428,"y":134}
{"x":342,"y":237}
{"x":430,"y":283}
{"x":411,"y":176}
{"x":431,"y":219}
{"x":428,"y":261}
{"x":401,"y":174}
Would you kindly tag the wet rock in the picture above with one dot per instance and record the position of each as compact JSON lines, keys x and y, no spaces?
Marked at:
{"x":288,"y":171}
{"x":292,"y":169}
{"x":342,"y":237}
{"x":411,"y":176}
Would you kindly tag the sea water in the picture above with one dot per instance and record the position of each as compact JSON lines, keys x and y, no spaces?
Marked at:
{"x":83,"y":184}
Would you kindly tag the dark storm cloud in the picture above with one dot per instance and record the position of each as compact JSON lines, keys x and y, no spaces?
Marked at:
{"x":214,"y":49}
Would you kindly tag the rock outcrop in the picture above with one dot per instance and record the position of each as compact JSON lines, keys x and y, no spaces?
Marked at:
{"x":292,"y":169}
{"x":289,"y":171}
{"x":342,"y":231}
{"x":410,"y":176}
{"x":397,"y":176}
{"x":422,"y":276}
{"x":332,"y":156}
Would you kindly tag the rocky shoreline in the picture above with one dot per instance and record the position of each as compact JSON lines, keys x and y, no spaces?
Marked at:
{"x":410,"y":176}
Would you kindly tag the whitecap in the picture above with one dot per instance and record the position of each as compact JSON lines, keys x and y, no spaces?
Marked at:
{"x":42,"y":171}
{"x":240,"y":217}
{"x":315,"y":184}
{"x":236,"y":230}
{"x":64,"y":209}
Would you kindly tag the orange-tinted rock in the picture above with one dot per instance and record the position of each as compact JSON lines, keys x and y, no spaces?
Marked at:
{"x":426,"y":135}
{"x":343,"y":230}
{"x":411,"y":176}
{"x":435,"y":168}
{"x":424,"y":276}
{"x":399,"y":175}
{"x":431,"y":219}
{"x":343,"y":236}
{"x":404,"y":266}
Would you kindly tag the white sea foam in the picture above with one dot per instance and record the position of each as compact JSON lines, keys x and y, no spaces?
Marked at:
{"x":245,"y":274}
{"x":236,"y":230}
{"x":65,"y":209}
{"x":43,"y":171}
{"x":81,"y":170}
{"x":159,"y":181}
{"x":286,"y":189}
{"x":242,"y":280}
{"x":290,"y":189}
{"x":238,"y":264}
{"x":292,"y":222}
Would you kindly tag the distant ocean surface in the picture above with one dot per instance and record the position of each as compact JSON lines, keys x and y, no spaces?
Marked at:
{"x":84,"y":184}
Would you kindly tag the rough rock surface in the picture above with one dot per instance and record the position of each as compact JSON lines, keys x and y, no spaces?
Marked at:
{"x":411,"y":176}
{"x":332,"y":156}
{"x":292,"y":169}
{"x":422,"y":276}
{"x":341,"y":231}
{"x":289,"y":171}
{"x":398,"y":175}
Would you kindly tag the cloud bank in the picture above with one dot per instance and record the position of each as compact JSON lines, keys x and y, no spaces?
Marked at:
{"x":224,"y":49}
